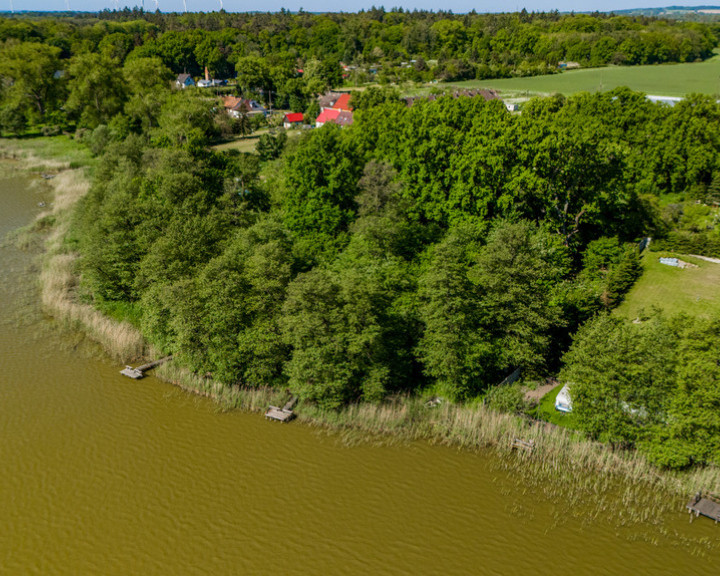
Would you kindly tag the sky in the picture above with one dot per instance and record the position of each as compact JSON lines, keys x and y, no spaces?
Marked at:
{"x":457,"y":6}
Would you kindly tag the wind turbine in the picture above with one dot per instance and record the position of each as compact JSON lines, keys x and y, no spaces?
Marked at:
{"x":12,"y":8}
{"x":185,"y":6}
{"x":67,"y":5}
{"x":157,"y":5}
{"x":221,"y":6}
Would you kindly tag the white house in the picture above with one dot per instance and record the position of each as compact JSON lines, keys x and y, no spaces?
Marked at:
{"x":184,"y":80}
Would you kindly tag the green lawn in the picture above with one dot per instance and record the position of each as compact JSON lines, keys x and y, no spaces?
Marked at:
{"x":546,"y":410}
{"x":662,"y":80}
{"x":248,"y":143}
{"x":694,"y":291}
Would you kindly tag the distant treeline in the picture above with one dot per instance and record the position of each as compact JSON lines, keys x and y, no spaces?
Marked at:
{"x":81,"y":70}
{"x":464,"y":46}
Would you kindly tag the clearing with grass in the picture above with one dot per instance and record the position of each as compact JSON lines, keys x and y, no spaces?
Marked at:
{"x":657,"y":79}
{"x":693,"y":291}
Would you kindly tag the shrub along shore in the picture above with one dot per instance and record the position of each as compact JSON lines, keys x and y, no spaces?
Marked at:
{"x":563,"y":462}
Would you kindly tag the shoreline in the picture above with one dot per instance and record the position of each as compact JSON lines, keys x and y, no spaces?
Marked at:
{"x":562,"y":461}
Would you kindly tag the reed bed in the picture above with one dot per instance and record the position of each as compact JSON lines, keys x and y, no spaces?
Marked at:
{"x":58,"y":276}
{"x":59,"y":281}
{"x":227,"y":397}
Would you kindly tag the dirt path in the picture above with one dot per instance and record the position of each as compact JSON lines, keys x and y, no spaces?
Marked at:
{"x":706,"y":258}
{"x":537,"y":394}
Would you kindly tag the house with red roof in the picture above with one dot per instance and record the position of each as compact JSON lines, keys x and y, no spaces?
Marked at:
{"x":293,"y":119}
{"x":335,"y":107}
{"x":327,"y":115}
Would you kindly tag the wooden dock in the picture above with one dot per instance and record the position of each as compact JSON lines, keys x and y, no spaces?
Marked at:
{"x":704,"y":507}
{"x":137,"y":373}
{"x":284,"y":414}
{"x":520,"y":444}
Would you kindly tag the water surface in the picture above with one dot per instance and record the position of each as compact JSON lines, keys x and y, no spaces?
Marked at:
{"x":104,"y":475}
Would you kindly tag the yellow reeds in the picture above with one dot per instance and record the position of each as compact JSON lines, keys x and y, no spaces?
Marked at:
{"x":58,"y":278}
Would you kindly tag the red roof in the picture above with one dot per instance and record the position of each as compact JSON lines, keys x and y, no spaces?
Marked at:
{"x":231,"y":101}
{"x":294,"y":117}
{"x":327,"y":115}
{"x":343,"y":103}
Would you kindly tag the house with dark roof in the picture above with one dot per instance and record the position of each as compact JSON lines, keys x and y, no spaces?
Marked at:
{"x":235,"y":106}
{"x":344,"y":118}
{"x":328,"y":99}
{"x":184,"y":80}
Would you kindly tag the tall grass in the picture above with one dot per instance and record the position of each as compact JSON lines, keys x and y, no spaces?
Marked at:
{"x":58,"y":276}
{"x":59,"y":280}
{"x":227,"y":397}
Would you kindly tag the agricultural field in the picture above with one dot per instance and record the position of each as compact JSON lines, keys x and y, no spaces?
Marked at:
{"x":661,"y":80}
{"x":693,"y":291}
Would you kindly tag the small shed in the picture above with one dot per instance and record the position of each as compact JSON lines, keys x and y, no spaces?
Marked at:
{"x":563,"y":401}
{"x":293,"y":119}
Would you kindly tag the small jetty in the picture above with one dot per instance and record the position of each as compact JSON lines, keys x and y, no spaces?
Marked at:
{"x":520,"y":444}
{"x":284,"y":414}
{"x":708,"y":507}
{"x":139,"y":372}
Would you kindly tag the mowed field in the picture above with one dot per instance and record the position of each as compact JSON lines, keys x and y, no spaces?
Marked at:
{"x":694,"y":291}
{"x":661,"y":80}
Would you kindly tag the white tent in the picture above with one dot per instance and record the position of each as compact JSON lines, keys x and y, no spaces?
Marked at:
{"x":563,"y":402}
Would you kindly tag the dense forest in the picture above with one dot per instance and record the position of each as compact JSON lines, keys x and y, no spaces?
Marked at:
{"x":436,"y":247}
{"x":433,"y":248}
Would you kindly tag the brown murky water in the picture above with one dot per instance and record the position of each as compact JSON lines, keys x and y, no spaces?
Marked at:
{"x":103,"y":475}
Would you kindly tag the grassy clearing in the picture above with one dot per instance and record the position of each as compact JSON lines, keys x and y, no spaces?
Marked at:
{"x":661,"y":80}
{"x":546,"y":411}
{"x":248,"y":143}
{"x":47,"y":153}
{"x":693,"y":291}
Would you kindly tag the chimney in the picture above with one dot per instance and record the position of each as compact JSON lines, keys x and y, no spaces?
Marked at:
{"x":207,"y":74}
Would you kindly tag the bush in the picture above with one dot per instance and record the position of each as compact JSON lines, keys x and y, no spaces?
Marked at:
{"x":505,"y":398}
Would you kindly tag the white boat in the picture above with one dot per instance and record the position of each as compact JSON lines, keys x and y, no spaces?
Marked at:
{"x":563,"y":402}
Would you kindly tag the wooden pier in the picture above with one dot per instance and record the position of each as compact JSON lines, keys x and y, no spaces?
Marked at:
{"x":520,"y":444}
{"x":704,"y":507}
{"x":284,"y":414}
{"x":137,"y":373}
